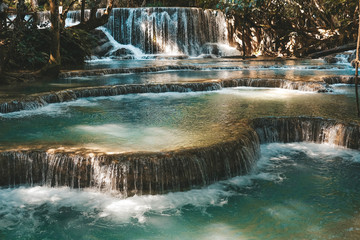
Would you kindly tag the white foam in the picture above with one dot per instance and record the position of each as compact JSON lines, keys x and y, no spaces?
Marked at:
{"x":138,"y":54}
{"x":14,"y":203}
{"x":54,"y":109}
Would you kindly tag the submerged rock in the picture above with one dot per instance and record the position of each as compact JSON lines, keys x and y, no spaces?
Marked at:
{"x":211,"y":49}
{"x":121,"y":52}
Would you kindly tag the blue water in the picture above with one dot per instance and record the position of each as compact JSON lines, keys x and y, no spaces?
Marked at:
{"x":155,"y":122}
{"x":295,"y":191}
{"x":299,"y":70}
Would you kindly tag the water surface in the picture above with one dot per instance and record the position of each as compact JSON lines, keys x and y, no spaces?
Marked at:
{"x":295,"y":191}
{"x":165,"y":121}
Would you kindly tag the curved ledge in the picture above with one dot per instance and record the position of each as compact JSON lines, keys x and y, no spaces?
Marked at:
{"x":339,"y":79}
{"x":43,"y":99}
{"x":156,"y":173}
{"x":307,"y":129}
{"x":132,"y":173}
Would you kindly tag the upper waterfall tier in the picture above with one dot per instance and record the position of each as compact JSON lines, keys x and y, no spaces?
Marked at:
{"x":168,"y":30}
{"x":174,"y":31}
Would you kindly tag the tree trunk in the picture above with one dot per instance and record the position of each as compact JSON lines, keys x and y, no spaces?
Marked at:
{"x":20,"y":14}
{"x":2,"y":63}
{"x":94,"y":21}
{"x":53,"y":66}
{"x":357,"y":68}
{"x":243,"y":41}
{"x":63,"y":16}
{"x":34,"y":4}
{"x":82,"y":17}
{"x":143,"y":3}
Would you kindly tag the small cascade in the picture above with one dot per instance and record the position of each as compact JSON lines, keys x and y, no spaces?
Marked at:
{"x":344,"y":57}
{"x":73,"y":18}
{"x":278,"y":83}
{"x":119,"y":50}
{"x":132,"y":173}
{"x":144,"y":173}
{"x":305,"y":129}
{"x":339,"y":79}
{"x":40,"y":100}
{"x":43,"y":99}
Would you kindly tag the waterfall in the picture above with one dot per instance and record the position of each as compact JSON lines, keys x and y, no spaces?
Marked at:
{"x":132,"y":173}
{"x":39,"y":100}
{"x":306,"y":129}
{"x":168,"y":30}
{"x":178,"y":170}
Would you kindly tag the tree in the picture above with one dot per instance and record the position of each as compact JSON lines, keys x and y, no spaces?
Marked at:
{"x":95,"y":21}
{"x":82,"y":18}
{"x":53,"y":66}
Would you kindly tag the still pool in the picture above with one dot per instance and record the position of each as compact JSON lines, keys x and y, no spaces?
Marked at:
{"x":295,"y":191}
{"x":165,"y":121}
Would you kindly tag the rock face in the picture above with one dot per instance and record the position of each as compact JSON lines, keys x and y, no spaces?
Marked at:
{"x":103,"y":44}
{"x":339,"y":79}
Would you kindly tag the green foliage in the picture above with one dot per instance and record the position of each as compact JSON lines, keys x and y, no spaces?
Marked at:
{"x":76,"y":46}
{"x":155,"y":4}
{"x":306,"y":20}
{"x":212,"y":4}
{"x":31,"y":48}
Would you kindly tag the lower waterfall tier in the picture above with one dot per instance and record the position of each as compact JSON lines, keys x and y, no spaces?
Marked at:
{"x":144,"y":173}
{"x":134,"y":173}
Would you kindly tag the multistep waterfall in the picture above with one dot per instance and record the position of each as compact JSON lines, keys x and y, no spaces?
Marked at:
{"x":160,"y":172}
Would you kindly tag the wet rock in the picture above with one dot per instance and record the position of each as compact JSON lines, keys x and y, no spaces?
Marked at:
{"x":331,"y":59}
{"x":103,"y":50}
{"x":211,"y":49}
{"x":121,"y":52}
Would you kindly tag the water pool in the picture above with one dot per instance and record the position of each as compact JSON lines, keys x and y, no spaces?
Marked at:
{"x":165,"y":121}
{"x":295,"y":191}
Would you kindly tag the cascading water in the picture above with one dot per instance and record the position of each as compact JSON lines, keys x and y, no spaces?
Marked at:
{"x":129,"y":174}
{"x":171,"y":31}
{"x":168,"y":30}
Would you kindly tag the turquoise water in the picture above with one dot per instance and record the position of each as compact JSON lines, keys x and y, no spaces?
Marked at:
{"x":299,"y":70}
{"x":154,"y":122}
{"x":296,"y":191}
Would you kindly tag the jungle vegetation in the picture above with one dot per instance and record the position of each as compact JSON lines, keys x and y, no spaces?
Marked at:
{"x":313,"y":25}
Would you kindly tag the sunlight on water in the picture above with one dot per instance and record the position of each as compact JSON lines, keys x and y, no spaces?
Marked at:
{"x":154,"y":122}
{"x":134,"y":138}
